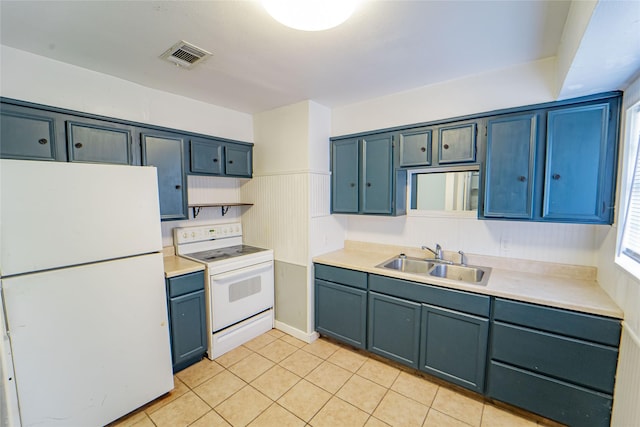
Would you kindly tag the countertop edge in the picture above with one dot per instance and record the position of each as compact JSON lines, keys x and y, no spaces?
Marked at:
{"x":178,"y":266}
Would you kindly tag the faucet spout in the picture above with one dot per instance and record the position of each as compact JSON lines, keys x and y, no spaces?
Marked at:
{"x":437,"y":252}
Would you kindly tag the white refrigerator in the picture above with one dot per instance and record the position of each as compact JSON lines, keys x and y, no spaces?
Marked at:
{"x":85,"y":335}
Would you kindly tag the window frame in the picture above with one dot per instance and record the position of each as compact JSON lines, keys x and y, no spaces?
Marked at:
{"x":631,"y":161}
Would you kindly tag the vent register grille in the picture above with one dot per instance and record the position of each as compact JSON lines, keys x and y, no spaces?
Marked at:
{"x":185,"y":55}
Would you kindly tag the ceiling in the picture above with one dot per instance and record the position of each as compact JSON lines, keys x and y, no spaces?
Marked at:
{"x":258,"y":64}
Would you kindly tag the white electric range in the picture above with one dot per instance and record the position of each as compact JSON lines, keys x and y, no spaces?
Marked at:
{"x":239,"y":289}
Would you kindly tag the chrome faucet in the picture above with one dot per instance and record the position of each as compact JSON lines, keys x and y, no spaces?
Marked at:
{"x":437,"y":252}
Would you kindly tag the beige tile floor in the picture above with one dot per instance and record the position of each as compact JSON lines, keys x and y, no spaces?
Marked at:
{"x":278,"y":380}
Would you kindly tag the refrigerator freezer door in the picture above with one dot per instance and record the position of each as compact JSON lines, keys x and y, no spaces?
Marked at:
{"x":53,"y":213}
{"x":90,"y":343}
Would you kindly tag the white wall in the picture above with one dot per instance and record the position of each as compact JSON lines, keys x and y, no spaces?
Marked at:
{"x":621,"y":286}
{"x":524,"y":84}
{"x":516,"y":86}
{"x":625,"y":291}
{"x":34,"y":78}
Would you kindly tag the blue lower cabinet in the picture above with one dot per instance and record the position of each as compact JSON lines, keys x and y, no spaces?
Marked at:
{"x":556,"y":363}
{"x":341,"y":312}
{"x":187,"y":319}
{"x":394,"y":328}
{"x":549,"y":397}
{"x":454,"y":346}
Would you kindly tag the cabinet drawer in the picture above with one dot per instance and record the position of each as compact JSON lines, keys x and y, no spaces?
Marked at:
{"x":576,"y":361}
{"x":184,"y":284}
{"x":447,"y":298}
{"x":550,"y":398}
{"x":357,"y":279}
{"x":578,"y":325}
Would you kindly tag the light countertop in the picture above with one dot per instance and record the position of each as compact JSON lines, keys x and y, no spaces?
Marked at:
{"x":177,"y":266}
{"x":555,"y":285}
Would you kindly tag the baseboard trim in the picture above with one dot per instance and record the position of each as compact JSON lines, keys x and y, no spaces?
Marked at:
{"x":297,"y":333}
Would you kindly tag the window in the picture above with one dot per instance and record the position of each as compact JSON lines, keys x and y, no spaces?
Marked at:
{"x":629,"y":239}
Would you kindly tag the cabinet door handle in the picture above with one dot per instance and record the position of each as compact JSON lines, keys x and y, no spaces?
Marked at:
{"x":556,"y":176}
{"x":230,"y":162}
{"x":368,"y":184}
{"x":215,"y":160}
{"x":423,"y":149}
{"x":178,"y":187}
{"x":522,"y":178}
{"x":42,"y":141}
{"x":78,"y":145}
{"x":353,"y":184}
{"x":445,"y":146}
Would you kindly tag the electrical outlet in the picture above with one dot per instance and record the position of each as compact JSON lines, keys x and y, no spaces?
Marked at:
{"x":505,"y":244}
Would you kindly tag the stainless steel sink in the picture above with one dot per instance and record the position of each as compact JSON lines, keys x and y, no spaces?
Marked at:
{"x":428,"y":267}
{"x":408,"y":265}
{"x":458,"y":272}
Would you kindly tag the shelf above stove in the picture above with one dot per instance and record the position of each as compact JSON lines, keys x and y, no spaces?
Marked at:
{"x":197,"y":207}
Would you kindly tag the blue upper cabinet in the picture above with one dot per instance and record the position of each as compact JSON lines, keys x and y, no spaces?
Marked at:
{"x":165,"y":152}
{"x":457,"y":143}
{"x":206,"y":157}
{"x":364,"y":179}
{"x":30,"y":134}
{"x":377,"y":173}
{"x":509,"y":166}
{"x":345,"y":182}
{"x":556,"y":163}
{"x":578,"y":176}
{"x":238,"y":160}
{"x":415,"y":147}
{"x":95,"y":143}
{"x":210,"y":156}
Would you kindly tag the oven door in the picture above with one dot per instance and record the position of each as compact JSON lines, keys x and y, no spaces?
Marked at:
{"x":239,"y":294}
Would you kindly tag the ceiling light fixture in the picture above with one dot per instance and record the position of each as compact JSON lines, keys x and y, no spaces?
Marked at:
{"x":310,"y":15}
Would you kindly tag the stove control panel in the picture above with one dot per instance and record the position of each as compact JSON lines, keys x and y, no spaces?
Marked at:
{"x":206,"y":232}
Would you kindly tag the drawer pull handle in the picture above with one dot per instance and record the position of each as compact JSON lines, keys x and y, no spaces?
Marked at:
{"x":423,"y":149}
{"x":445,"y":146}
{"x":556,"y":176}
{"x":215,"y":160}
{"x":178,"y":187}
{"x":522,"y":178}
{"x":78,"y":145}
{"x":42,"y":141}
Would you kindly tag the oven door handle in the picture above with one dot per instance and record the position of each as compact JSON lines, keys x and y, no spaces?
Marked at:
{"x":246,"y":271}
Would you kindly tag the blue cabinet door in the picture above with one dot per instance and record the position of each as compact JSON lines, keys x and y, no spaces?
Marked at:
{"x":188,"y":329}
{"x":415,"y":147}
{"x":454,"y":346}
{"x":394,"y":328}
{"x":165,"y":152}
{"x":575,"y":164}
{"x":27,"y":134}
{"x":457,"y":143}
{"x":345,"y":181}
{"x":206,"y":157}
{"x":377,"y":174}
{"x":94,"y":143}
{"x":238,"y":160}
{"x":509,"y":174}
{"x":341,"y":312}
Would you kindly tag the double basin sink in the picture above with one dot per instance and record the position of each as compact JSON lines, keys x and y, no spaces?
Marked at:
{"x":438,"y":268}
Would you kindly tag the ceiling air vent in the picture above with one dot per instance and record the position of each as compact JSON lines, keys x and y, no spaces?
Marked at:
{"x":185,"y":55}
